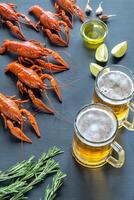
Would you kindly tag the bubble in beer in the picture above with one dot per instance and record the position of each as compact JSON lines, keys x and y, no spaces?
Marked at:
{"x":96,"y":125}
{"x":115,"y":85}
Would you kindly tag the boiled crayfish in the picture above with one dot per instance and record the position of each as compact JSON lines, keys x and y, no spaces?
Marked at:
{"x":29,"y":79}
{"x":65,"y":7}
{"x":51,"y":25}
{"x":34,"y":52}
{"x":12,"y":113}
{"x":10,"y":16}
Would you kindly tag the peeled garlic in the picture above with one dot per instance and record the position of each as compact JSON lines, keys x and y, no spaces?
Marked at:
{"x":99,"y":10}
{"x":88,"y":8}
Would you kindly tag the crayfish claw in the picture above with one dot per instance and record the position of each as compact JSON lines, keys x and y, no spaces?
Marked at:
{"x":17,"y":132}
{"x":66,"y":19}
{"x":2,"y":49}
{"x":54,"y":38}
{"x":16,"y":30}
{"x":39,"y":103}
{"x":56,"y":68}
{"x":12,"y":5}
{"x":29,"y":22}
{"x":51,"y":66}
{"x":56,"y":56}
{"x":54,"y":85}
{"x":79,"y":12}
{"x":32,"y":121}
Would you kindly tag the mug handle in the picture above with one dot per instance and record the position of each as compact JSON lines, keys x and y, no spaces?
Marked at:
{"x":129,"y":125}
{"x":121,"y":156}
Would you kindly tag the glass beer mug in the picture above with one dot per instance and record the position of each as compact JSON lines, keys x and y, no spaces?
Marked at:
{"x":94,"y":137}
{"x":114,"y":87}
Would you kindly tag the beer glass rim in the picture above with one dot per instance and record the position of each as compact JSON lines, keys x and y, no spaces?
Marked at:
{"x":101,"y":143}
{"x":115,"y":67}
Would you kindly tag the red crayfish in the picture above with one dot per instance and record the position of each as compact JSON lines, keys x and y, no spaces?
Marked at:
{"x":29,"y":80}
{"x":34,"y":52}
{"x":12,"y":113}
{"x":64,"y":7}
{"x":10,"y":16}
{"x":51,"y":25}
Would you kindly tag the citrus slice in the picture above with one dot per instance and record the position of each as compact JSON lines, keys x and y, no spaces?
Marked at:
{"x":102,"y":53}
{"x":95,"y":69}
{"x":120,"y":49}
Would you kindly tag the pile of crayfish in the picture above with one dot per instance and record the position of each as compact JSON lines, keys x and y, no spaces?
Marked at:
{"x":32,"y":66}
{"x":67,"y":9}
{"x":29,"y":69}
{"x":12,"y":19}
{"x":11,"y":112}
{"x":52,"y":24}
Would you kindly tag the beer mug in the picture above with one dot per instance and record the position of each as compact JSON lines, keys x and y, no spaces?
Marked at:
{"x":114,"y":87}
{"x":95,"y":129}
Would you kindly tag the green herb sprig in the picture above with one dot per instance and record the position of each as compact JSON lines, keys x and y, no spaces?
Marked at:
{"x":27,"y":174}
{"x":50,"y":192}
{"x":5,"y":192}
{"x":18,"y":170}
{"x":50,"y":167}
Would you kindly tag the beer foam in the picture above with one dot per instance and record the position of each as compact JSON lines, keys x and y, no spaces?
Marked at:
{"x":96,"y":125}
{"x":115,"y":85}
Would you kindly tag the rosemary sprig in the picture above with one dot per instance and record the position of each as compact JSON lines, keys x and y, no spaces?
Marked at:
{"x":21,"y":169}
{"x":50,"y":167}
{"x":50,"y":192}
{"x":39,"y":166}
{"x":29,"y":173}
{"x":17,"y":170}
{"x":15,"y":187}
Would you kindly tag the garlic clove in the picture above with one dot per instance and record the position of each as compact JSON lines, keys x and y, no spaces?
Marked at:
{"x":88,"y":8}
{"x":99,"y":10}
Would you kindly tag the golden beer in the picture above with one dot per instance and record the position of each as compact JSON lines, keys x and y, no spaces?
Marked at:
{"x":114,"y":87}
{"x":95,"y":131}
{"x":89,"y":155}
{"x":120,"y":110}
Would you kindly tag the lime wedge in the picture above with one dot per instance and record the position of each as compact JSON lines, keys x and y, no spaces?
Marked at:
{"x":120,"y":49}
{"x":102,"y":53}
{"x":95,"y":69}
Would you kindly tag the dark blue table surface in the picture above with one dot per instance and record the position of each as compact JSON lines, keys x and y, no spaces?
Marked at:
{"x":81,"y":183}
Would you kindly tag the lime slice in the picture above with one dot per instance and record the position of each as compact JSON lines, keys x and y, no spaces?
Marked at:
{"x":102,"y":53}
{"x":120,"y":49}
{"x":95,"y":69}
